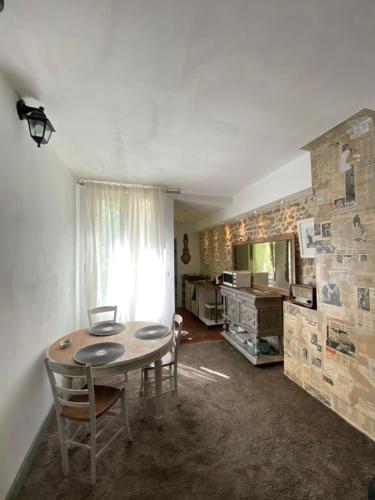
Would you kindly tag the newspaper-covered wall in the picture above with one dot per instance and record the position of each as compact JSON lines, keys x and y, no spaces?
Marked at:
{"x":341,"y":373}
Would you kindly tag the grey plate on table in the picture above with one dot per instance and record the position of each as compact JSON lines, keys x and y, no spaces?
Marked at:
{"x":152,"y":332}
{"x":106,"y":328}
{"x":99,"y":354}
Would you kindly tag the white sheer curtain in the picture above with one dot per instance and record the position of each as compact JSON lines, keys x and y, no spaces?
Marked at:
{"x":122,"y":256}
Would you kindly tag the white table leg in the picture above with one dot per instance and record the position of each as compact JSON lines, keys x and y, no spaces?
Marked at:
{"x":158,"y":375}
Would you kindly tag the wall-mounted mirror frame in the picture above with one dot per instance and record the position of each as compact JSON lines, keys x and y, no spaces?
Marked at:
{"x":292,"y":259}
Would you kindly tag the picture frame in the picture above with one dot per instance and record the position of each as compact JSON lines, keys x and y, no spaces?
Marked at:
{"x":306,"y":238}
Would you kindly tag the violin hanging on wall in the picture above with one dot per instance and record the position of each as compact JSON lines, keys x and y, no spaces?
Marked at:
{"x":185,"y":257}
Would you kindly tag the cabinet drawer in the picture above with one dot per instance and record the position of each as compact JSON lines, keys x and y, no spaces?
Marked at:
{"x":249,"y":316}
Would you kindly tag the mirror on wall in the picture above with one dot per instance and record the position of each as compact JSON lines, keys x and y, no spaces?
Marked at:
{"x":270,"y":261}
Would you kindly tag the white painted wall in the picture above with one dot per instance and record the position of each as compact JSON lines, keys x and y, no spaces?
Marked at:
{"x":36,"y":278}
{"x":169,"y":306}
{"x":286,"y":182}
{"x":193,"y":267}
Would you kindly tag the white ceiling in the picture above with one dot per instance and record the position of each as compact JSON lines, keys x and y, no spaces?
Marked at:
{"x":189,"y":208}
{"x":207,"y":95}
{"x":188,"y":213}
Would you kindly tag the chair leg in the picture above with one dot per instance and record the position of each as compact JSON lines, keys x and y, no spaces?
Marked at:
{"x":93,"y":452}
{"x":64,"y":447}
{"x":175,"y":381}
{"x":158,"y":388}
{"x":142,"y":383}
{"x":146,"y":386}
{"x":145,"y":390}
{"x":171,"y":379}
{"x":124,"y":404}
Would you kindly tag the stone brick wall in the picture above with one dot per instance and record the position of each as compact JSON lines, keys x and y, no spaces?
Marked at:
{"x":216,"y":243}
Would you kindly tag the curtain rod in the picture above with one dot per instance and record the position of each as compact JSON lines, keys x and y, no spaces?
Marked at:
{"x":82,"y":182}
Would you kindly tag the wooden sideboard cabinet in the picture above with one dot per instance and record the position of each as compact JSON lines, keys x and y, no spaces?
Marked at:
{"x":252,"y":315}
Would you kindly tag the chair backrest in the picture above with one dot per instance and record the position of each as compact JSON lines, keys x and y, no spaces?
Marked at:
{"x":176,"y":329}
{"x":62,"y":395}
{"x":101,"y":310}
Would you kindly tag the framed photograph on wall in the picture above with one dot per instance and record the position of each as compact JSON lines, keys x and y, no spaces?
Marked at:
{"x":306,"y":238}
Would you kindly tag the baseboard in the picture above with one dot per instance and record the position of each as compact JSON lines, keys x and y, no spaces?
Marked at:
{"x":26,"y":463}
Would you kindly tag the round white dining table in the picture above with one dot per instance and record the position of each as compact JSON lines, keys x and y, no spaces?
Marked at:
{"x":138,"y":353}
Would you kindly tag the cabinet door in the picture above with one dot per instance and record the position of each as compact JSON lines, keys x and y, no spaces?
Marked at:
{"x":271,"y":322}
{"x":188,"y":295}
{"x":232,"y":309}
{"x":249,"y":316}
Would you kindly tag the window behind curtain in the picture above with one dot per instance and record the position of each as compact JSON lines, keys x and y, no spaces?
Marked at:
{"x":122,"y":250}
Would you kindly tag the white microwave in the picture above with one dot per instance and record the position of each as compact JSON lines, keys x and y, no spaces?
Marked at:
{"x":237,"y":279}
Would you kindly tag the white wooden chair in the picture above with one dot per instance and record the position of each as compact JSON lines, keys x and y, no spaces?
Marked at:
{"x":169,"y":364}
{"x":84,"y":407}
{"x":94,"y":311}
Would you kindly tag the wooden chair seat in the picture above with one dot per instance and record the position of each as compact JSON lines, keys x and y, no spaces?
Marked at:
{"x":166,"y":360}
{"x":105,"y":398}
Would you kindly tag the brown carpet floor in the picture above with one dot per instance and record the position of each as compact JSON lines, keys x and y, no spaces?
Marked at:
{"x":240,"y":433}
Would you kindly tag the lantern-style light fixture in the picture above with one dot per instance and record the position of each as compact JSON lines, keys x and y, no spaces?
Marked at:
{"x":39,"y":125}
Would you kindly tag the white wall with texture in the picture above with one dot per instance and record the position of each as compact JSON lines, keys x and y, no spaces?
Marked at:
{"x":37,"y":204}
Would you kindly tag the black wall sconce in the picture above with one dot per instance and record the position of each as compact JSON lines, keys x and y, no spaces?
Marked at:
{"x":39,"y":125}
